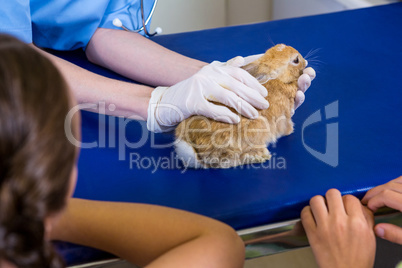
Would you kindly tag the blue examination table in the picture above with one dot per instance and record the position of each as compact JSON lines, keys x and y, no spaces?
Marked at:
{"x":347,"y":133}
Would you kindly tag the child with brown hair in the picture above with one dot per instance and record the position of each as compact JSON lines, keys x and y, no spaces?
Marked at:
{"x":37,"y":177}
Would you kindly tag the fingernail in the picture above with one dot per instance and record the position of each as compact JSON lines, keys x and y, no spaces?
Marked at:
{"x":380,"y":232}
{"x":265,"y":104}
{"x":264,"y":92}
{"x":254,"y":116}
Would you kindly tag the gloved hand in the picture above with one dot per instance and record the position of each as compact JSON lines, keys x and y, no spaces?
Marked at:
{"x":224,"y":83}
{"x":303,"y":83}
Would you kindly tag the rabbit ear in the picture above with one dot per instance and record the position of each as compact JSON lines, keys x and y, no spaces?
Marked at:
{"x":263,"y":78}
{"x":252,"y":68}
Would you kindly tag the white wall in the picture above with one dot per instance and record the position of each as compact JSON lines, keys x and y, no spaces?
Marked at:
{"x":189,"y":15}
{"x":247,"y":11}
{"x":282,"y":9}
{"x":296,"y":8}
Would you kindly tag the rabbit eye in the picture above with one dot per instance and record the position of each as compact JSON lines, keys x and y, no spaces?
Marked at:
{"x":296,"y":61}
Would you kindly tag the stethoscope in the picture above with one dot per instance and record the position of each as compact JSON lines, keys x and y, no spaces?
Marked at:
{"x":117,"y":22}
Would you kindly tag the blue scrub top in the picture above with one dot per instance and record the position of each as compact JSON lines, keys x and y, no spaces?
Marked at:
{"x":67,"y":24}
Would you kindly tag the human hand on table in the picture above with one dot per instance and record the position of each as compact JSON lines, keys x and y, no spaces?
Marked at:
{"x":340,"y":231}
{"x":386,"y":195}
{"x":225,"y":83}
{"x":304,"y":81}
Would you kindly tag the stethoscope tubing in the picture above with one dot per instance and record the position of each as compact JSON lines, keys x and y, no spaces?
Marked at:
{"x":145,"y":22}
{"x":118,"y":23}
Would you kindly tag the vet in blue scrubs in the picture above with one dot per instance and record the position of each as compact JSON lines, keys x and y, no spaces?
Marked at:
{"x":66,"y":24}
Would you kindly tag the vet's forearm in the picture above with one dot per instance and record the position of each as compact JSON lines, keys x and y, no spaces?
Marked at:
{"x":117,"y":97}
{"x":136,"y":57}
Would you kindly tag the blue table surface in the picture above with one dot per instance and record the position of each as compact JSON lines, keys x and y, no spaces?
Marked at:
{"x":347,"y":133}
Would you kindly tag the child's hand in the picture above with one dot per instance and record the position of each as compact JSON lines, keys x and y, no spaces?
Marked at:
{"x":340,"y":231}
{"x":386,"y":195}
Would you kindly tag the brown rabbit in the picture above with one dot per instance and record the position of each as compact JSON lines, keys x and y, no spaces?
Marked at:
{"x":205,"y":143}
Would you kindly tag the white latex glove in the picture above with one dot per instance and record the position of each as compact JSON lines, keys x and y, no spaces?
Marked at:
{"x":303,"y":82}
{"x":225,"y":83}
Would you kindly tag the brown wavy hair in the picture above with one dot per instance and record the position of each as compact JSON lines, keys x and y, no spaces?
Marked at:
{"x":36,"y":158}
